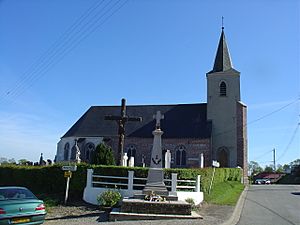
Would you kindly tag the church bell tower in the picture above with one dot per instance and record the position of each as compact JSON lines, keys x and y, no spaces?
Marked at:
{"x":223,"y":97}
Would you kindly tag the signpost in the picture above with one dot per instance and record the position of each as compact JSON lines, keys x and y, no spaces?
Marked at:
{"x":214,"y":165}
{"x":68,"y":174}
{"x":69,"y":168}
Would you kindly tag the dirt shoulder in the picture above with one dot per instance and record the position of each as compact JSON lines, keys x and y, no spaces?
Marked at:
{"x":82,"y":213}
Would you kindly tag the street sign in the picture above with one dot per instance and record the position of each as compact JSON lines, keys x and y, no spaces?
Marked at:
{"x":68,"y":174}
{"x":215,"y":163}
{"x":69,"y":168}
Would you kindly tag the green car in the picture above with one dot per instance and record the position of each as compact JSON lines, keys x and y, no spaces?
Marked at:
{"x":19,"y":206}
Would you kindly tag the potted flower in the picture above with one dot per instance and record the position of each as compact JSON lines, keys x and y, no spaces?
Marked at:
{"x":108,"y":199}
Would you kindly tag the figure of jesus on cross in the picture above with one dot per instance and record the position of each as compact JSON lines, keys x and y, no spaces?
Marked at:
{"x":121,"y":120}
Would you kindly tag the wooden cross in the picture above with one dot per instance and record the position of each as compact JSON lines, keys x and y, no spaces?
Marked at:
{"x":121,"y":120}
{"x":158,"y":116}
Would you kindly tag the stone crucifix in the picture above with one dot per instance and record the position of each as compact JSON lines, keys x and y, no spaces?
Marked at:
{"x":121,"y":120}
{"x":155,"y":180}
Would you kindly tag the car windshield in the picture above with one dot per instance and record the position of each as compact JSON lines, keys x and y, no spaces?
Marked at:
{"x":15,"y":193}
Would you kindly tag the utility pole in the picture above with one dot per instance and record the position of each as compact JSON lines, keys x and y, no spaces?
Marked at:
{"x":274,"y":160}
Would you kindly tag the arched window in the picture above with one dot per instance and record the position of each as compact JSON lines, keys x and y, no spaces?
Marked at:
{"x":66,"y":151}
{"x":131,"y":151}
{"x":73,"y":153}
{"x":223,"y":89}
{"x":89,"y":148}
{"x":180,"y":156}
{"x":223,"y":157}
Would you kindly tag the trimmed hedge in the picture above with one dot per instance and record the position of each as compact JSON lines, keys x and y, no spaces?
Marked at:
{"x":50,"y":180}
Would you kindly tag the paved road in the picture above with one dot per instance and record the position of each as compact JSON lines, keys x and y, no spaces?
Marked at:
{"x":271,"y":205}
{"x":213,"y":215}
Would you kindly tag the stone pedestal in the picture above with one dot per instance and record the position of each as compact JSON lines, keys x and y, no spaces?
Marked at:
{"x":155,"y":180}
{"x":167,"y":207}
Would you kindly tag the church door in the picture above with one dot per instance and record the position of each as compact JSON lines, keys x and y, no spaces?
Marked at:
{"x":223,"y":157}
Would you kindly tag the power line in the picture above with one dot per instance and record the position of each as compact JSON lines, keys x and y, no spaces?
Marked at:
{"x":290,"y":142}
{"x":258,"y":119}
{"x":260,"y":156}
{"x":63,"y":46}
{"x":58,"y":56}
{"x":54,"y":46}
{"x":273,"y":112}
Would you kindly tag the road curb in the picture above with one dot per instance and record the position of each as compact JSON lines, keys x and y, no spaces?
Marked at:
{"x":235,"y":217}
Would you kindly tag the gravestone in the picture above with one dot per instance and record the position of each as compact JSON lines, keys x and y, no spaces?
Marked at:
{"x":168,"y":159}
{"x":143,"y":161}
{"x":131,"y":162}
{"x":201,"y":160}
{"x":125,"y":159}
{"x":42,"y":162}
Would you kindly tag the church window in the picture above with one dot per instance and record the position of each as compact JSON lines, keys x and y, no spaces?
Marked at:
{"x":223,"y":157}
{"x":223,"y":91}
{"x":73,"y":153}
{"x":66,"y":151}
{"x":131,"y":151}
{"x":89,"y":149}
{"x":180,"y":155}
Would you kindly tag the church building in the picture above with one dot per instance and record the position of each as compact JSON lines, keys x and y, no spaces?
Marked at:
{"x":216,"y":129}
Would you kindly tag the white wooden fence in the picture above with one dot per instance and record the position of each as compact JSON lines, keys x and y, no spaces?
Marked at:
{"x":130,"y":185}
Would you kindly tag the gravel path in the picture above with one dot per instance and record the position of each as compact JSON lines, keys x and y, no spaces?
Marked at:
{"x":79,"y":215}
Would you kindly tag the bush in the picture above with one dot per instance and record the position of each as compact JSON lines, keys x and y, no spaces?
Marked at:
{"x":109,"y":198}
{"x":49,"y":180}
{"x":103,"y":155}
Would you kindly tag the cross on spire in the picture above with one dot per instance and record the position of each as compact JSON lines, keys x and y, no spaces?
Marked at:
{"x":121,"y":120}
{"x":158,"y":116}
{"x":222,"y":22}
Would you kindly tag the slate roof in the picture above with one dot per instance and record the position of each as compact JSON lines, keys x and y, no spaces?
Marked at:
{"x":181,"y":121}
{"x":222,"y":60}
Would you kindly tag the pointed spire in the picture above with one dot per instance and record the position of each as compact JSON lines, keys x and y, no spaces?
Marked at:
{"x":222,"y":60}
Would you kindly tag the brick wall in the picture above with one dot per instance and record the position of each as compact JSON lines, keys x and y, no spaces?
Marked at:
{"x":193,"y":147}
{"x":242,"y":141}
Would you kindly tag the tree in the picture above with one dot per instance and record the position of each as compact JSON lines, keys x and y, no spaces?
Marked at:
{"x":279,"y":168}
{"x":23,"y":161}
{"x":12,"y":161}
{"x":295,"y":162}
{"x":5,"y":161}
{"x":286,"y":167}
{"x":254,"y":167}
{"x":103,"y":155}
{"x":269,"y":169}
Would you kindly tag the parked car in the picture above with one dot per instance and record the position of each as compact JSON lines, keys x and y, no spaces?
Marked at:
{"x":267,"y":181}
{"x":262,"y":181}
{"x":18,"y":205}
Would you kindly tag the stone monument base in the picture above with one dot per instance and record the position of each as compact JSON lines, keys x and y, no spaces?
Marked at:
{"x":167,"y":207}
{"x":137,"y":209}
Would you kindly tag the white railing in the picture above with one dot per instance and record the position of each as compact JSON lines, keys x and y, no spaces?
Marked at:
{"x":130,"y":182}
{"x":131,"y":185}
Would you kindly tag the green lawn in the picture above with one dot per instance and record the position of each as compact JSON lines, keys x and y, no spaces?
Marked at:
{"x":225,"y":193}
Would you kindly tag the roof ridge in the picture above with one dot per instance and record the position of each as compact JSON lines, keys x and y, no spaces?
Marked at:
{"x":203,"y":103}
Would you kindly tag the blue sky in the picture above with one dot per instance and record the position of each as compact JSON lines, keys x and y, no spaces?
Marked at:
{"x":150,"y":52}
